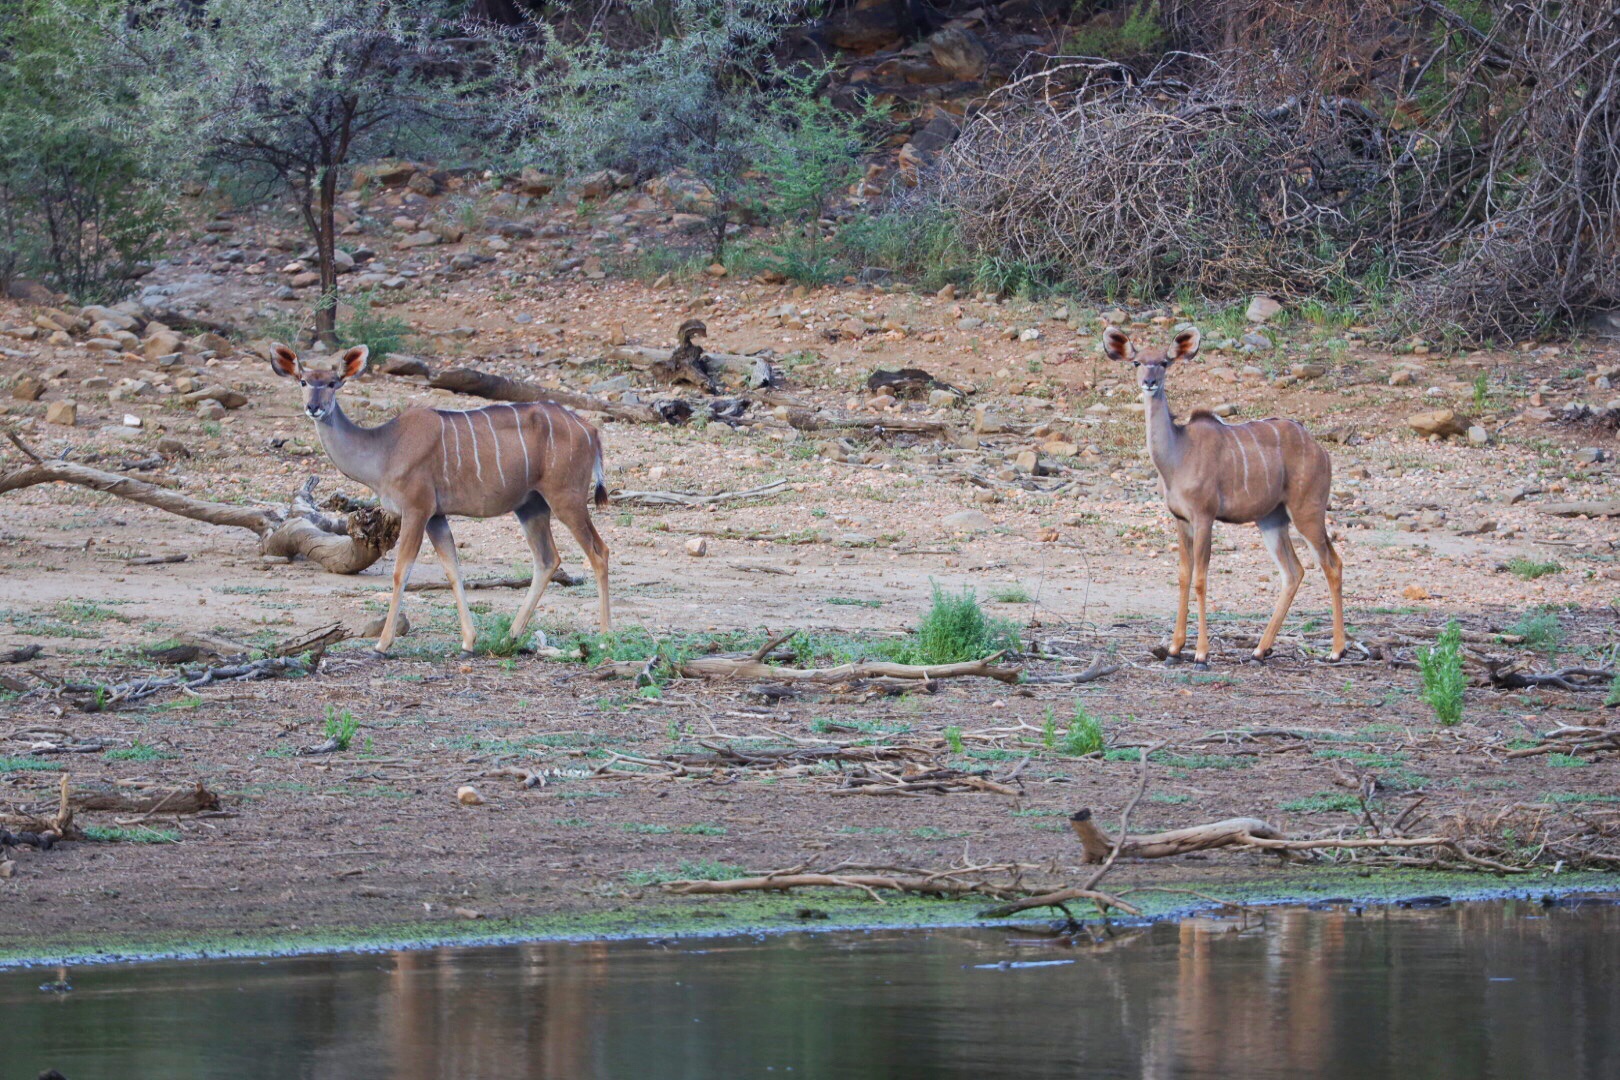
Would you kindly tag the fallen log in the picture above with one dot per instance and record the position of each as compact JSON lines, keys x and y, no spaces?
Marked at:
{"x":1232,"y":832}
{"x":341,"y":544}
{"x":42,"y":831}
{"x":735,"y":369}
{"x":813,"y":420}
{"x":692,"y":498}
{"x":482,"y":384}
{"x":559,"y":576}
{"x":22,"y":655}
{"x":1510,"y":676}
{"x":1097,"y":669}
{"x":1605,"y":508}
{"x":192,"y":798}
{"x":754,"y":667}
{"x":929,"y":885}
{"x":1058,"y":899}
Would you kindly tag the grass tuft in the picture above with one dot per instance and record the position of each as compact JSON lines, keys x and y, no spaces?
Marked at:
{"x":956,"y":629}
{"x":1085,"y":734}
{"x":1530,"y":569}
{"x":341,"y":726}
{"x":1442,"y":674}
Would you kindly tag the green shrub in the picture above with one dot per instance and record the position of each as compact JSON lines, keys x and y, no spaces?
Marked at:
{"x":1085,"y":734}
{"x":1140,"y":33}
{"x":341,"y":726}
{"x":1442,"y":674}
{"x":380,"y":332}
{"x":1541,"y":631}
{"x":956,"y":629}
{"x":495,"y":636}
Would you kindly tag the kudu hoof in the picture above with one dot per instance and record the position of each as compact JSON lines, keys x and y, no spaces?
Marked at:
{"x":1260,"y":657}
{"x":378,"y":654}
{"x":1200,"y":665}
{"x":466,"y":654}
{"x":1171,"y":659}
{"x":1334,"y":658}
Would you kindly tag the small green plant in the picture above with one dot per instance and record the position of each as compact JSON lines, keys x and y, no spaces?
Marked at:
{"x":1482,"y":391}
{"x":1530,"y":569}
{"x":1085,"y":734}
{"x":956,"y":629}
{"x":1324,"y":802}
{"x":1613,"y":698}
{"x":1567,"y":761}
{"x":1541,"y":631}
{"x":140,"y":834}
{"x":1049,"y":730}
{"x":1010,"y":594}
{"x":1442,"y":675}
{"x":703,"y":830}
{"x":137,"y":751}
{"x":10,"y":763}
{"x":953,"y":738}
{"x":495,"y":636}
{"x":381,"y":333}
{"x":688,"y":870}
{"x":341,"y":726}
{"x":1138,"y":34}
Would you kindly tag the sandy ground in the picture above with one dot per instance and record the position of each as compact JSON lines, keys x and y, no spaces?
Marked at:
{"x":1083,"y":560}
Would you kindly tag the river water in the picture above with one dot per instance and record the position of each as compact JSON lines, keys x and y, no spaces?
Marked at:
{"x":1507,"y":989}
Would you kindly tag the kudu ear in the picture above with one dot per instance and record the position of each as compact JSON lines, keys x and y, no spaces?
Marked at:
{"x":1186,"y":346}
{"x":283,"y":361}
{"x":354,"y":361}
{"x":1117,"y":345}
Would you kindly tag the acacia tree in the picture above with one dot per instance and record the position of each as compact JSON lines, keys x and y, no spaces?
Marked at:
{"x":294,"y":91}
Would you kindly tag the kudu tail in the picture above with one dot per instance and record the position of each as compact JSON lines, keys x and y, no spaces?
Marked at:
{"x":599,"y":476}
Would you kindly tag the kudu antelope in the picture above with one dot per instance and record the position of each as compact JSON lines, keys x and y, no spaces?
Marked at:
{"x":531,"y":460}
{"x":1270,"y":472}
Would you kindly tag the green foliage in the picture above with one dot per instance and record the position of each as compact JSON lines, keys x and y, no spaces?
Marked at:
{"x":1567,"y":761}
{"x":1085,"y":734}
{"x":140,"y":834}
{"x":1140,"y":33}
{"x":1482,"y":390}
{"x":341,"y":726}
{"x":1010,"y":594}
{"x":495,"y":636}
{"x":12,"y":763}
{"x":76,"y":209}
{"x":1531,"y":569}
{"x":1612,"y":700}
{"x":1442,"y":675}
{"x":956,"y":629}
{"x":1541,"y":631}
{"x":382,"y":333}
{"x":688,"y":870}
{"x":137,"y":751}
{"x":953,"y":739}
{"x":1324,"y":802}
{"x":921,"y":241}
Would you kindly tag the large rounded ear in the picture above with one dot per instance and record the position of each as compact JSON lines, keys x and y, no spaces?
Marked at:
{"x":354,"y":361}
{"x":283,"y":361}
{"x":1117,"y":345}
{"x":1186,"y":346}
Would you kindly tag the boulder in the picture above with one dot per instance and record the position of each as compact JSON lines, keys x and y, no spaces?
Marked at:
{"x":227,"y":398}
{"x":967,"y":521}
{"x":65,"y":413}
{"x":960,"y":52}
{"x":1262,"y":309}
{"x":27,"y":388}
{"x":1442,"y":422}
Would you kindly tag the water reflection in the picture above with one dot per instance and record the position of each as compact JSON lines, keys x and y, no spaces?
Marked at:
{"x":1500,"y":990}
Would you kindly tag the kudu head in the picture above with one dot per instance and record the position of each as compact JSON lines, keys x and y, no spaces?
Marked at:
{"x":320,"y":387}
{"x":1151,"y":364}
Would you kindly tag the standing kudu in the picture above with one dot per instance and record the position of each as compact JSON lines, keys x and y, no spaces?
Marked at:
{"x":1270,"y":472}
{"x":531,"y":460}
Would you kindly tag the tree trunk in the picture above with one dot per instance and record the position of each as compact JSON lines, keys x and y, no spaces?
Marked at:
{"x":326,"y":255}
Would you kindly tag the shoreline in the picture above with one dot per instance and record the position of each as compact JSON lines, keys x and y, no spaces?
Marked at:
{"x":779,"y":914}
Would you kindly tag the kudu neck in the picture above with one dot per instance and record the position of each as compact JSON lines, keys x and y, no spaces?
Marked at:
{"x":1165,"y":441}
{"x":360,"y":453}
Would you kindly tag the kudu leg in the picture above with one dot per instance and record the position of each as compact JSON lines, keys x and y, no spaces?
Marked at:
{"x":438,"y":531}
{"x":578,"y":520}
{"x":535,"y":516}
{"x":1178,"y":640}
{"x":1274,"y":532}
{"x":1315,"y":533}
{"x":410,"y":545}
{"x":1203,"y":536}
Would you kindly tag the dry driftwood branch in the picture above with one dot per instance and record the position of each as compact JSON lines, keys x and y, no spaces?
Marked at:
{"x":345,"y":544}
{"x":1509,"y":676}
{"x":499,"y":388}
{"x":1229,"y":833}
{"x":1097,"y":669}
{"x":39,"y":830}
{"x":828,"y":420}
{"x":22,"y":655}
{"x":738,"y":370}
{"x":722,"y":667}
{"x":108,"y":695}
{"x":937,"y":781}
{"x":1605,"y":508}
{"x":558,"y":577}
{"x":194,"y":798}
{"x":691,"y":498}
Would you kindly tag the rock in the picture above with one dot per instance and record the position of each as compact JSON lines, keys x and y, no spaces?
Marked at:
{"x":969,"y":322}
{"x":308,"y":279}
{"x":1403,"y":377}
{"x":1257,"y":342}
{"x":1115,"y":317}
{"x":121,"y":320}
{"x":967,"y":521}
{"x":373,"y":627}
{"x":1304,"y":372}
{"x":422,"y":238}
{"x":65,"y":413}
{"x":865,"y":30}
{"x":218,"y":344}
{"x":467,"y":795}
{"x":133,"y":421}
{"x":1059,"y":448}
{"x":1591,"y":455}
{"x":1225,"y":408}
{"x":534,"y":183}
{"x":1478,"y":435}
{"x":960,"y":52}
{"x":210,"y":410}
{"x":423,"y":184}
{"x":1442,"y":422}
{"x":1262,"y":309}
{"x":986,"y":421}
{"x":716,"y":270}
{"x":228,"y":398}
{"x":170,"y":447}
{"x":406,"y":365}
{"x":598,"y":185}
{"x":697,"y":547}
{"x":163,"y":343}
{"x":946,"y":293}
{"x":95,"y":382}
{"x":1027,"y":461}
{"x":942,"y":399}
{"x":1032,"y":334}
{"x":27,"y":388}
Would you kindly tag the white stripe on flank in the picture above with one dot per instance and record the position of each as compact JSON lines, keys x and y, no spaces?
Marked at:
{"x":456,"y":431}
{"x":494,"y":435}
{"x":478,"y":464}
{"x":550,"y":449}
{"x":523,"y":441}
{"x":1243,"y":451}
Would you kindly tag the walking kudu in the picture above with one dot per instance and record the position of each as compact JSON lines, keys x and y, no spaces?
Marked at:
{"x":1270,"y":472}
{"x":532,"y":460}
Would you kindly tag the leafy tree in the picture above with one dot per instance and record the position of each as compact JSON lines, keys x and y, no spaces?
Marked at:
{"x":692,"y":98}
{"x":75,"y":207}
{"x":294,"y":91}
